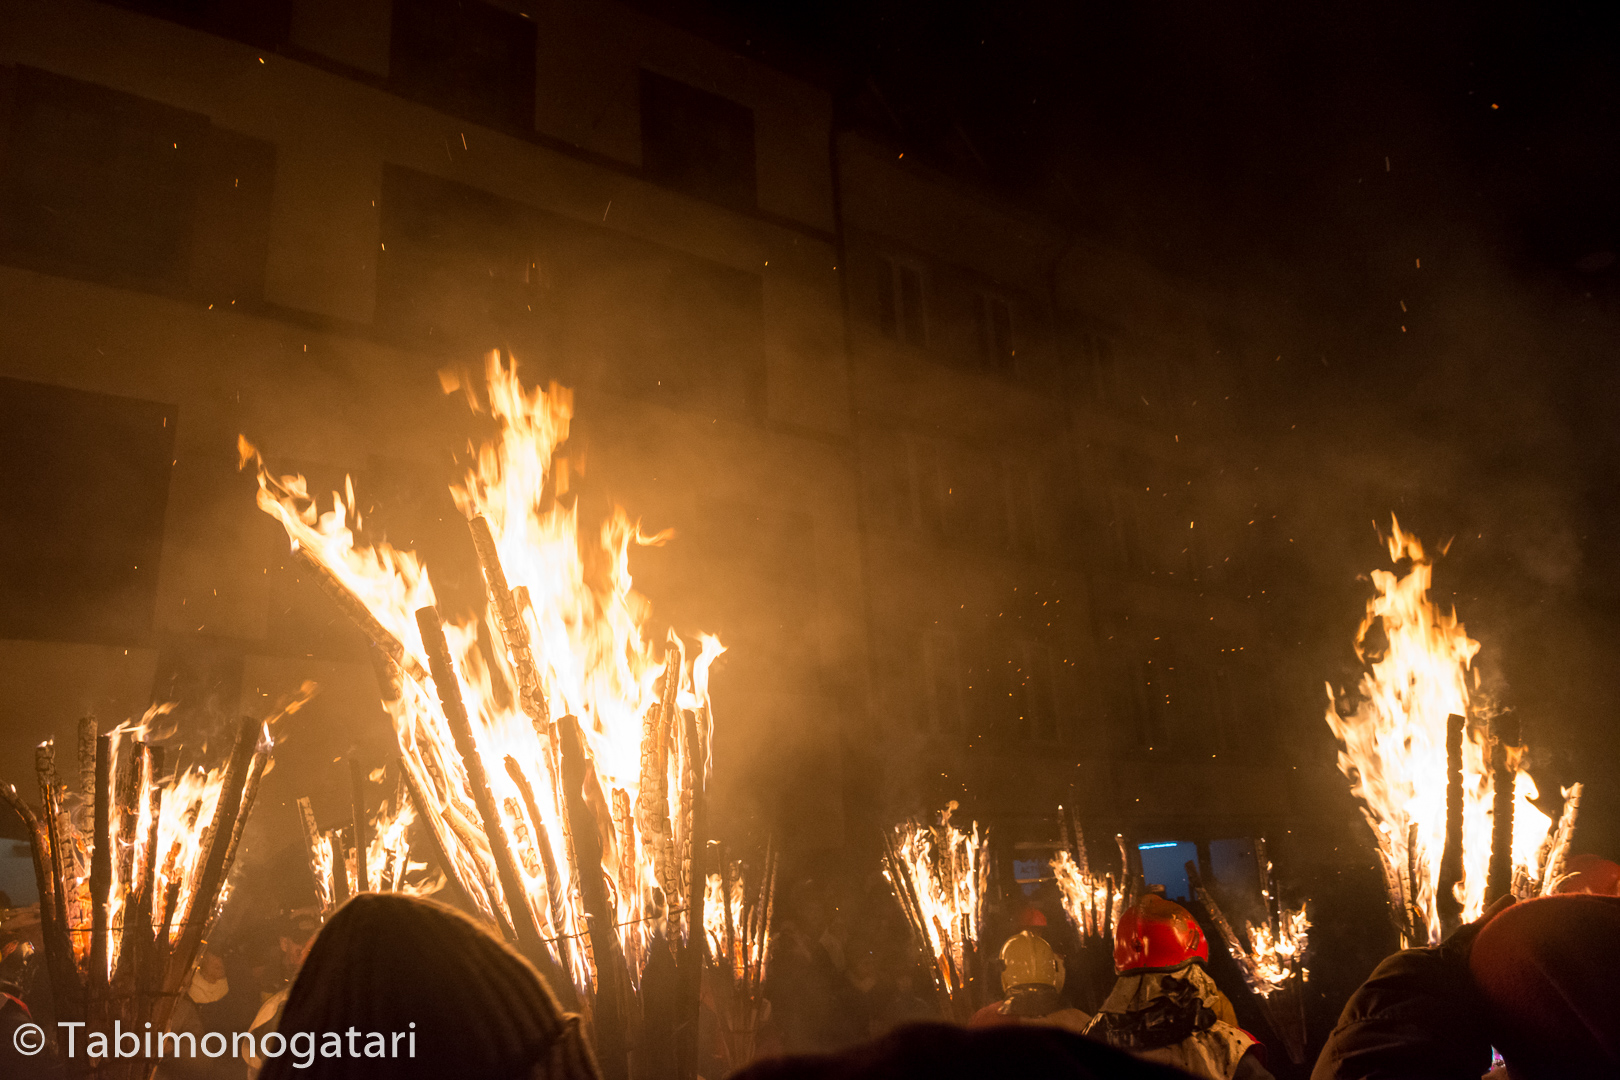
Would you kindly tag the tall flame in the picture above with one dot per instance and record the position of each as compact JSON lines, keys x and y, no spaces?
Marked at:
{"x":594,"y":660}
{"x":1392,"y":745}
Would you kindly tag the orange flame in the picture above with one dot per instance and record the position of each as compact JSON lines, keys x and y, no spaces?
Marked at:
{"x":1392,"y":744}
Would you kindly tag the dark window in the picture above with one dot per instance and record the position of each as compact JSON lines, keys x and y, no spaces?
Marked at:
{"x":106,"y":186}
{"x":996,"y":352}
{"x":461,"y":270}
{"x":87,"y":483}
{"x":697,"y":142}
{"x":264,"y":23}
{"x":467,"y":58}
{"x":902,"y":314}
{"x":230,"y":237}
{"x":98,"y":183}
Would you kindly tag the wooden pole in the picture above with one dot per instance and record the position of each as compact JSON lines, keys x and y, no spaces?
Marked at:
{"x":695,"y":882}
{"x":514,"y":631}
{"x":725,"y":903}
{"x":205,"y":892}
{"x":390,"y":687}
{"x":1499,"y":882}
{"x":101,"y":877}
{"x":548,"y":861}
{"x":362,"y":829}
{"x":338,"y":845}
{"x":58,"y":951}
{"x":611,"y":1000}
{"x":313,"y":841}
{"x":1451,"y":858}
{"x":250,"y":793}
{"x":455,"y":713}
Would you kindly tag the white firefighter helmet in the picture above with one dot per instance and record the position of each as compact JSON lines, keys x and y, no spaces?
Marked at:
{"x":1027,"y":960}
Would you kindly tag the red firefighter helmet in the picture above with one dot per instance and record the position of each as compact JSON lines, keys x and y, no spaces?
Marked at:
{"x":1156,"y":934}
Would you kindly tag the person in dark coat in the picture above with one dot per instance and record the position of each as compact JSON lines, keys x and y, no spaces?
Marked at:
{"x":948,"y":1052}
{"x":1534,"y":979}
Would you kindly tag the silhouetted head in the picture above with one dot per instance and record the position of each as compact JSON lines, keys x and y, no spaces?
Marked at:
{"x":429,"y":994}
{"x":1546,"y":969}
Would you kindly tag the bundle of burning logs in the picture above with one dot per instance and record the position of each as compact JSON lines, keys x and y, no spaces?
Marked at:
{"x":939,"y":873}
{"x":1092,"y":902}
{"x":556,"y":766}
{"x":131,"y":856}
{"x":1443,"y":788}
{"x":1272,"y":959}
{"x":737,"y":916}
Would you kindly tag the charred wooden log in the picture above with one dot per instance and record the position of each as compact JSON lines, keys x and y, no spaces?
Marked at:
{"x":516,"y":897}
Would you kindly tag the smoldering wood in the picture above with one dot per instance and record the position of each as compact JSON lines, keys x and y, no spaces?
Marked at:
{"x":1416,"y":920}
{"x":125,"y":807}
{"x":132,"y":767}
{"x":527,"y":935}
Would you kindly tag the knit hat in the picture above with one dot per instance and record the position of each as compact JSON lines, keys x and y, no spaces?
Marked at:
{"x":1547,"y":969}
{"x":467,"y":1003}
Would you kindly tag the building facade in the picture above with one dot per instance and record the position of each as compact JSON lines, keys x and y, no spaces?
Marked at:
{"x":893,"y":421}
